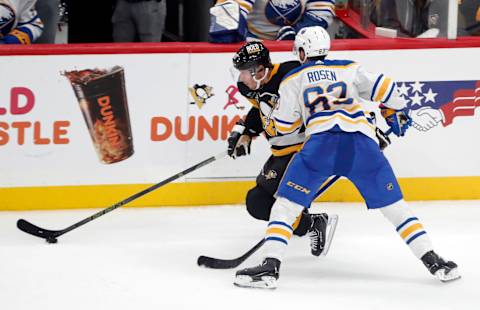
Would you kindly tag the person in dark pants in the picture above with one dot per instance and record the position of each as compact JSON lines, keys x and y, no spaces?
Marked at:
{"x":89,"y":21}
{"x":48,"y":13}
{"x":139,"y":20}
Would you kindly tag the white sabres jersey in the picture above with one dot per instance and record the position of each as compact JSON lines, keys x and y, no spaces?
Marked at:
{"x":329,"y":93}
{"x":259,"y":27}
{"x":25,"y":16}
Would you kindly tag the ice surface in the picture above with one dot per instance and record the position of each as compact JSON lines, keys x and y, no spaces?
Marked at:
{"x":146,"y":259}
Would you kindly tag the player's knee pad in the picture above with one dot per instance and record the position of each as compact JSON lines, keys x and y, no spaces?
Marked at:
{"x":259,"y":203}
{"x":285,"y":211}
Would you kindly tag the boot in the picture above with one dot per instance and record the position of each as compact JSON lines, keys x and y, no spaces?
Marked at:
{"x":321,"y":233}
{"x":261,"y":276}
{"x":444,"y":271}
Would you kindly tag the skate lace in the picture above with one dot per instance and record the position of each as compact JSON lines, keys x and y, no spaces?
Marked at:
{"x":313,"y":239}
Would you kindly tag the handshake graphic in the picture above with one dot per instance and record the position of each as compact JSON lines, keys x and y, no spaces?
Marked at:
{"x":426,"y":118}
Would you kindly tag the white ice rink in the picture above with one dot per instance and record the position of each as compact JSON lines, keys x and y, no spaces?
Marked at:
{"x":146,"y":259}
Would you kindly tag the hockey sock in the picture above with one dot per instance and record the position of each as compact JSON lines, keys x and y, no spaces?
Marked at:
{"x":279,"y":230}
{"x":408,"y":227}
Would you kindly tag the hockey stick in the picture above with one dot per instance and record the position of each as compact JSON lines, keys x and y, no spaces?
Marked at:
{"x":218,"y":263}
{"x":51,"y":235}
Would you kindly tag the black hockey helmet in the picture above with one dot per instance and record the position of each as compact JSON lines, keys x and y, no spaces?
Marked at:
{"x":251,"y":55}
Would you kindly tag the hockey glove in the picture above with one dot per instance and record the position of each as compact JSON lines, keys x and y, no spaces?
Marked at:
{"x":286,"y":33}
{"x":227,"y":23}
{"x":383,"y":139}
{"x":398,"y":120}
{"x":238,"y":142}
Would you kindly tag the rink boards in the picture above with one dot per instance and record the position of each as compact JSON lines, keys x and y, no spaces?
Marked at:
{"x":181,"y":103}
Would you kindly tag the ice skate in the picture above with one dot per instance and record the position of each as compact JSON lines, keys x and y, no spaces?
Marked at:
{"x":321,"y":233}
{"x":444,"y":271}
{"x":261,"y":276}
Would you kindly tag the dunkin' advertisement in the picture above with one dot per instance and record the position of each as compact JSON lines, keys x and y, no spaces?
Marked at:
{"x":102,"y":99}
{"x":134,"y":119}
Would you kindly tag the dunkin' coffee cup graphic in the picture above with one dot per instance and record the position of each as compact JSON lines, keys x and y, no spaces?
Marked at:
{"x":103,"y":101}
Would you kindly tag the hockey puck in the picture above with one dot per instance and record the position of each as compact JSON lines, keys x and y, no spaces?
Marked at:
{"x":52,"y":240}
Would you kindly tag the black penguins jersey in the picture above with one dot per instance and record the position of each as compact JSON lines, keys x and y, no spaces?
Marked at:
{"x":263,"y":101}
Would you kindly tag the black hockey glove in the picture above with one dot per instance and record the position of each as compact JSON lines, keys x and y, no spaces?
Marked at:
{"x":238,"y":142}
{"x":383,"y":139}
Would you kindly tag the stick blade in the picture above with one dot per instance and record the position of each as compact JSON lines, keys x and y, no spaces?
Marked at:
{"x":34,"y":230}
{"x":217,"y":263}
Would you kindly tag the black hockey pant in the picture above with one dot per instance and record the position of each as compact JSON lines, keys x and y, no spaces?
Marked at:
{"x":260,"y":199}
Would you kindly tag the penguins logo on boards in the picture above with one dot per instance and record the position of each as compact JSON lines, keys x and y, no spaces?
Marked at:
{"x":200,"y":94}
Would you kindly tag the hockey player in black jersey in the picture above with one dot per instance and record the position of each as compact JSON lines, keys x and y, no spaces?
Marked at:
{"x":259,"y":81}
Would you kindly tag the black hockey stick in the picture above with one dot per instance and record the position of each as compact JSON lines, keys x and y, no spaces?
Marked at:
{"x":51,"y":235}
{"x":218,"y":263}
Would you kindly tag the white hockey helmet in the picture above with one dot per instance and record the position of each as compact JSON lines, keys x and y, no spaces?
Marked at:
{"x":314,"y":41}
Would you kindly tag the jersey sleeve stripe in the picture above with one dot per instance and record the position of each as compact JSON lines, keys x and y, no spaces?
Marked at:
{"x":390,"y":93}
{"x":385,"y":87}
{"x":245,"y":5}
{"x":375,"y":86}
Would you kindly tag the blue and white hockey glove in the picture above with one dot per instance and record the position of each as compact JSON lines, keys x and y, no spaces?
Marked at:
{"x":227,"y":23}
{"x":398,"y":120}
{"x":286,"y":33}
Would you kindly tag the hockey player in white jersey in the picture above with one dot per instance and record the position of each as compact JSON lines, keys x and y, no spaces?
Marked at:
{"x":259,"y":80}
{"x":237,"y":20}
{"x":19,"y":22}
{"x":325,"y":96}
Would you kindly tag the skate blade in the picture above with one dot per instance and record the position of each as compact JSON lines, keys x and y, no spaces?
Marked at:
{"x":266,"y":282}
{"x":331,"y":228}
{"x":450,"y":276}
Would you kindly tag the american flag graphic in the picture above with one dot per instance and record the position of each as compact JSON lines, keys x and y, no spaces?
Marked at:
{"x":449,"y":99}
